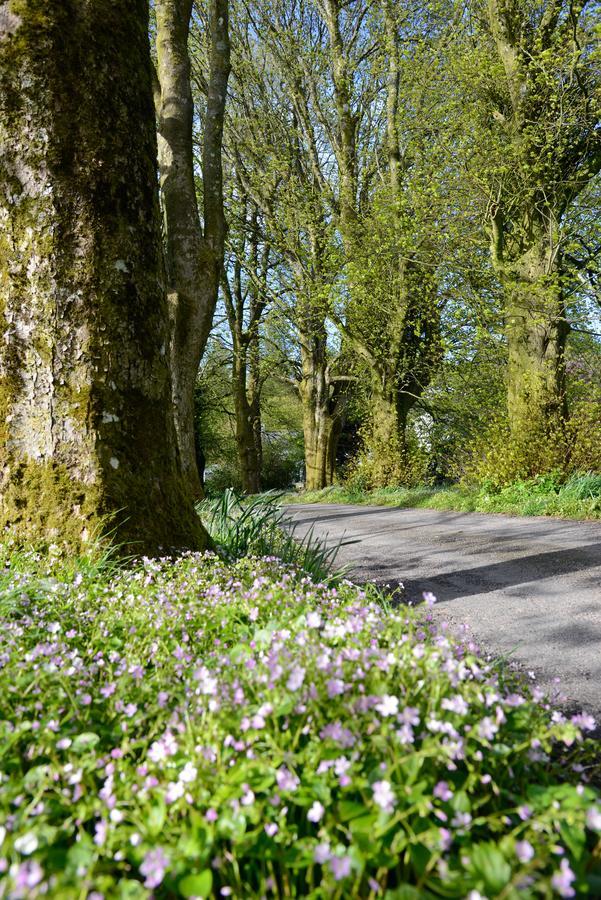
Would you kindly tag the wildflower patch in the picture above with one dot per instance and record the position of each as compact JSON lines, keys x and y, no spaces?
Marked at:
{"x":198,"y":729}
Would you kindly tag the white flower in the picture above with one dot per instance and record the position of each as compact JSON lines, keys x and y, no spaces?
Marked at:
{"x":188,"y":773}
{"x":175,"y":790}
{"x":27,"y":843}
{"x":316,"y":812}
{"x":593,"y":818}
{"x":383,"y":795}
{"x":388,"y":705}
{"x":248,"y":798}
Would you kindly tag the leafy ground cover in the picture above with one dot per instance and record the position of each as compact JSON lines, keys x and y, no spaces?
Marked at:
{"x":194,"y":728}
{"x":578,"y":497}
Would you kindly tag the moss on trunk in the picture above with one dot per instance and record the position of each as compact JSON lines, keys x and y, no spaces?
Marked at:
{"x":85,"y":388}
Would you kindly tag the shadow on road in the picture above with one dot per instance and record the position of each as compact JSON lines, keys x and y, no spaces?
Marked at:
{"x":496,"y":576}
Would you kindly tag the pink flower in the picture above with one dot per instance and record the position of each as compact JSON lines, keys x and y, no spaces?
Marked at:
{"x":524,"y":851}
{"x":487,"y":729}
{"x":587,"y":723}
{"x":335,"y":687}
{"x":154,"y":866}
{"x":443,"y":791}
{"x":321,"y":854}
{"x":271,"y":829}
{"x":446,"y":839}
{"x":296,"y":678}
{"x":593,"y":818}
{"x":211,"y":815}
{"x":286,"y":780}
{"x":29,"y":874}
{"x":341,"y":867}
{"x":100,"y":831}
{"x":164,"y":747}
{"x":562,"y":881}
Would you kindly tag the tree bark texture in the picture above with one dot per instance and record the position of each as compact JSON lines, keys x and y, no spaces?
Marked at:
{"x":194,"y":255}
{"x":322,"y":403}
{"x":85,"y":391}
{"x":525,"y":226}
{"x":537,"y":331}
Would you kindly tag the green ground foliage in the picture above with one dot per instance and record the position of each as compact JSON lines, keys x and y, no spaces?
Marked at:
{"x":196,"y":728}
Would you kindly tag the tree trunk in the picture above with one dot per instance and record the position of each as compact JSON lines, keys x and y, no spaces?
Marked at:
{"x":194,"y":259}
{"x":246,"y":443}
{"x":537,"y":332}
{"x":321,"y":414}
{"x":85,"y":391}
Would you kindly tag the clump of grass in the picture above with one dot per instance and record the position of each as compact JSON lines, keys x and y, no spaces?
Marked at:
{"x":258,"y":526}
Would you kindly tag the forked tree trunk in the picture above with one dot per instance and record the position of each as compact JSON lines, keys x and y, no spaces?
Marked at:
{"x":85,"y":388}
{"x":194,"y":256}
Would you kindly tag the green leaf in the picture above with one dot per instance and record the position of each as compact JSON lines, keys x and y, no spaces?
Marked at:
{"x":156,"y":817}
{"x":128,"y":889}
{"x":35,"y":777}
{"x":348,"y":809}
{"x":85,"y":741}
{"x":492,"y":866}
{"x":197,"y":885}
{"x":364,"y":824}
{"x":461,"y":802}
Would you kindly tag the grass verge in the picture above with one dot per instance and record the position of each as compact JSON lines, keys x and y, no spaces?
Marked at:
{"x":577,"y":498}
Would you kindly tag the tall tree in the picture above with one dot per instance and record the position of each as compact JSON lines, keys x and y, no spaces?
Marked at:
{"x":86,"y":417}
{"x":246,"y":297}
{"x":274,"y":139}
{"x":540,"y":146}
{"x":194,"y":251}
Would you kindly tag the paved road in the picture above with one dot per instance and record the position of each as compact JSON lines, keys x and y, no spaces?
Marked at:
{"x":527,"y":587}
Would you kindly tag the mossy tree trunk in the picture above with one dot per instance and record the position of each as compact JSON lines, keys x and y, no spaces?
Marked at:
{"x":194,"y":252}
{"x":85,"y":388}
{"x":548,"y":145}
{"x":401,"y":343}
{"x":537,"y":330}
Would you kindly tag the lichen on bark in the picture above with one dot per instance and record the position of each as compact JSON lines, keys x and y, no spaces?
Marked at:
{"x":87,"y":434}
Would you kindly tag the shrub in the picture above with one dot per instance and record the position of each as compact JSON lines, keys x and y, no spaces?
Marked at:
{"x":191,"y":728}
{"x":381,"y":464}
{"x":500,"y":457}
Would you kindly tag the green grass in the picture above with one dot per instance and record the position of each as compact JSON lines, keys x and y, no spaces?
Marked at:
{"x":577,"y":498}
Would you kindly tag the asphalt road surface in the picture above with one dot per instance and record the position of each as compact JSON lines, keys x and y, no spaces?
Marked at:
{"x":529,"y":588}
